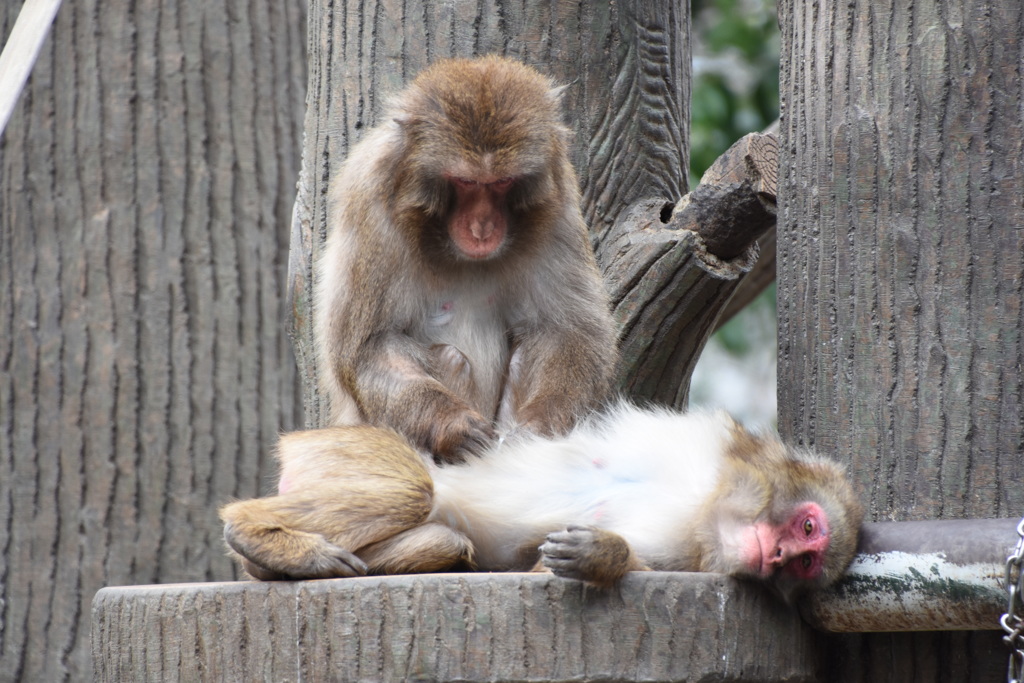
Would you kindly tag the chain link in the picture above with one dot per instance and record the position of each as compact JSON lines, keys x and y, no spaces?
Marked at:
{"x":1013,"y":621}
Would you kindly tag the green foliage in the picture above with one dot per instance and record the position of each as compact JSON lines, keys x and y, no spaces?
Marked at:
{"x":751,"y":326}
{"x":735,"y":92}
{"x":736,"y":69}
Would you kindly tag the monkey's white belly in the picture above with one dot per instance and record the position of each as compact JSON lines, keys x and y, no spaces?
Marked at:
{"x":628,"y":473}
{"x":468,"y":319}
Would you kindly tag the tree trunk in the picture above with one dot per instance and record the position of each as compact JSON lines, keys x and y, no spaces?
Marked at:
{"x":901,"y":274}
{"x":146,"y":185}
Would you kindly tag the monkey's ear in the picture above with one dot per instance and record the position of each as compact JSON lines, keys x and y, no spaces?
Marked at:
{"x":556,"y":92}
{"x":403,"y":120}
{"x":407,"y":123}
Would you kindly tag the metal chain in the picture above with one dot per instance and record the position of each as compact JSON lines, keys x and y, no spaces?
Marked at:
{"x":1013,"y":621}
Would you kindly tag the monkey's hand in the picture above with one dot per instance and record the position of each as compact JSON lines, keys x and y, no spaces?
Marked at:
{"x":289,"y":554}
{"x":460,"y":434}
{"x":549,"y":416}
{"x":589,"y":554}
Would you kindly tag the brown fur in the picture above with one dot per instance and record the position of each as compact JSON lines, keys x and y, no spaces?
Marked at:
{"x":377,"y":524}
{"x":390,"y":263}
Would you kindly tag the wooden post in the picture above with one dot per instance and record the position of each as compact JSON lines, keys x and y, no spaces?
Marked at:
{"x":146,"y":182}
{"x":901,"y":275}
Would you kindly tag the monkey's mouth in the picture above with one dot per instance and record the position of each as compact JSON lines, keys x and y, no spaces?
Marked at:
{"x":480,"y":244}
{"x":481,"y":251}
{"x":748,"y":543}
{"x":757,"y":564}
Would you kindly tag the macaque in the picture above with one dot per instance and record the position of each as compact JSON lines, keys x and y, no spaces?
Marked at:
{"x":457,"y":293}
{"x":627,"y":490}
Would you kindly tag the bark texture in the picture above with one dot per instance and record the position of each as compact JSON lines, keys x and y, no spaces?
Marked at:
{"x":901,"y":274}
{"x":670,"y":277}
{"x":146,"y":185}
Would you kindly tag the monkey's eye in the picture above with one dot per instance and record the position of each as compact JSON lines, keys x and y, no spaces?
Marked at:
{"x":806,"y":561}
{"x":808,"y":527}
{"x":464,"y":182}
{"x":502,"y":183}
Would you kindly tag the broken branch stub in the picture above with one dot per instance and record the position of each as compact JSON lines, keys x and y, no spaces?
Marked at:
{"x":734,"y":204}
{"x":669,"y":282}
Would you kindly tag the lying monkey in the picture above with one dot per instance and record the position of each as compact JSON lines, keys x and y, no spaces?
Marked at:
{"x":628,"y":490}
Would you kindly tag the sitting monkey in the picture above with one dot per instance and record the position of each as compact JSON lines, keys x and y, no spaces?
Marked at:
{"x":630,"y":489}
{"x":457,"y":293}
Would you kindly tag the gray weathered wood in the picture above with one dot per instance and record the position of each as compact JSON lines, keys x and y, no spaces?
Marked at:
{"x":901,"y":274}
{"x":753,"y":283}
{"x":931,"y":575}
{"x":480,"y":627}
{"x":146,"y":183}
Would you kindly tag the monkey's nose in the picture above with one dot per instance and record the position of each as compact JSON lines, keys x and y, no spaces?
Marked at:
{"x":482,"y":230}
{"x":779,"y":557}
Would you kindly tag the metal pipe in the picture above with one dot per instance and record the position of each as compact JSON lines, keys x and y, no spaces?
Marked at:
{"x":941,"y":575}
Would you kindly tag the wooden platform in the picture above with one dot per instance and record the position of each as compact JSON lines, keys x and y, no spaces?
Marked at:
{"x":469,"y":627}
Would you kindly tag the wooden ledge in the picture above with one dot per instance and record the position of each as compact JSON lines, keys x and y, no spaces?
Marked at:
{"x":657,"y":626}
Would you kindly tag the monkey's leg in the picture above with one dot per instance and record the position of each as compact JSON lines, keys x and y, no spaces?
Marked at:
{"x":263,"y":534}
{"x":342,"y":489}
{"x":313,"y":534}
{"x":431,"y":547}
{"x":589,"y":554}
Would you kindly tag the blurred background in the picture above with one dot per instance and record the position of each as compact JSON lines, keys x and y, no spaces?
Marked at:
{"x":735,"y":92}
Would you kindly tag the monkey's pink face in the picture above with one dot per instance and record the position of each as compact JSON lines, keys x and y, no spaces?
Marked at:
{"x":479,"y":223}
{"x":795,"y":548}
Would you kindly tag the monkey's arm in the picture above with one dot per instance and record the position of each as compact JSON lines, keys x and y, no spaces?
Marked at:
{"x":556,"y":376}
{"x":368,"y":300}
{"x":589,"y":554}
{"x":564,"y":345}
{"x":393,"y":386}
{"x":381,"y":375}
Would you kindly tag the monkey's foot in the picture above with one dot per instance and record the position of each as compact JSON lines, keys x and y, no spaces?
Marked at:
{"x":287,"y":554}
{"x":430,"y":547}
{"x":588,"y":554}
